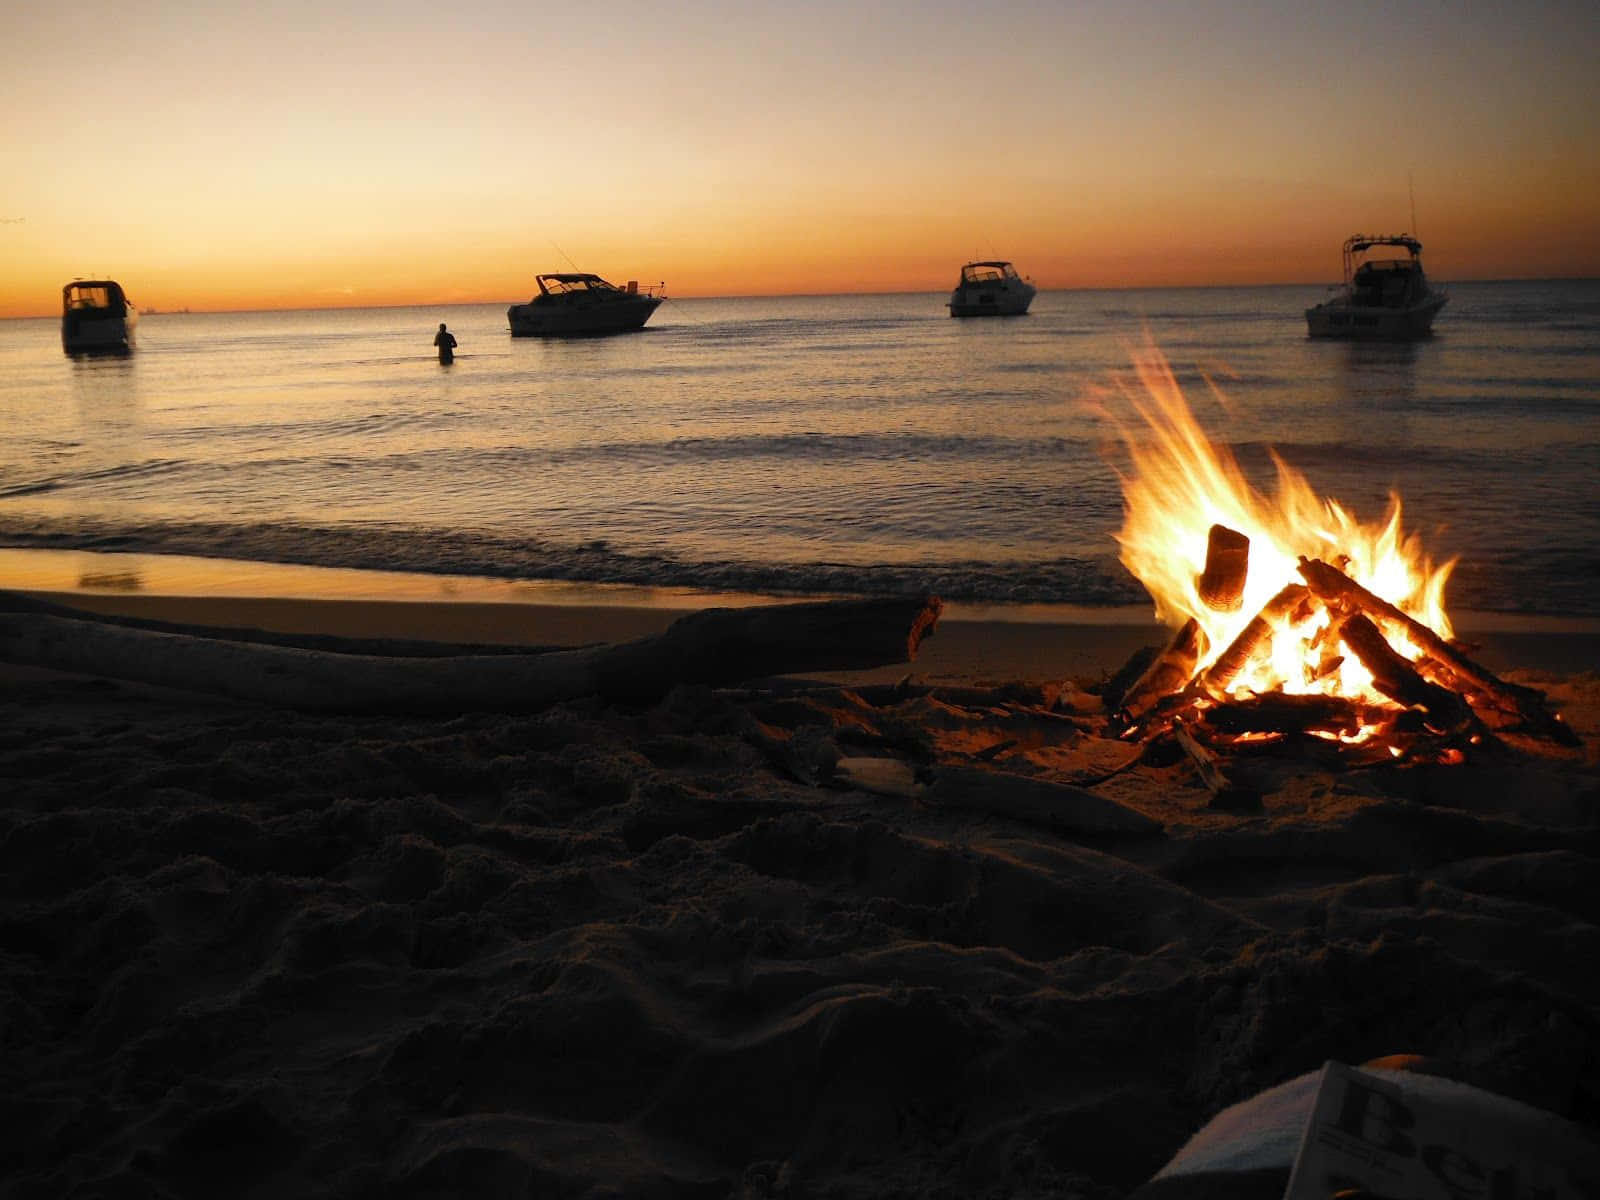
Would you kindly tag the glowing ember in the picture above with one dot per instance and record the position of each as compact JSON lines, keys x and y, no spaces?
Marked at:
{"x":1182,"y":486}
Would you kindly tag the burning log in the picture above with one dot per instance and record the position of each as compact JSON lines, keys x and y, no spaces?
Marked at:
{"x":1326,"y":644}
{"x":1169,"y":672}
{"x":1253,"y":639}
{"x":1221,"y":584}
{"x":1396,"y":678}
{"x":1280,"y":712}
{"x":1338,"y":589}
{"x":716,"y":646}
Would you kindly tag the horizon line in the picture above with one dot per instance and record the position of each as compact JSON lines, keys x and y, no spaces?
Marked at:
{"x":1184,"y":287}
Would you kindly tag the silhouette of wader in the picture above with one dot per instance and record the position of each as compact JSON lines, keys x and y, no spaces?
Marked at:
{"x":446,"y":341}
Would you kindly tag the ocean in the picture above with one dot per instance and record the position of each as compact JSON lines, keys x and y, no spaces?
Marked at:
{"x":860,"y":444}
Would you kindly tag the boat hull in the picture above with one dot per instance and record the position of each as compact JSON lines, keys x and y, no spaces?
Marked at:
{"x":1005,"y":300}
{"x":83,"y":333}
{"x":1355,"y":322}
{"x":582,"y":318}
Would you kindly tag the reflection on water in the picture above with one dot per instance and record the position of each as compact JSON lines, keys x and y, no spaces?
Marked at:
{"x":179,"y":575}
{"x":98,"y":352}
{"x":1379,"y":382}
{"x":105,"y":388}
{"x":111,"y":581}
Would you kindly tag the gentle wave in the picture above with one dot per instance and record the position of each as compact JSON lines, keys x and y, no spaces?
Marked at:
{"x":862,"y":444}
{"x":1071,"y":581}
{"x":1553,"y":581}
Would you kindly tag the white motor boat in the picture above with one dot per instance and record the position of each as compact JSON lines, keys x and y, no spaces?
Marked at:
{"x":1382,"y":299}
{"x":96,"y":317}
{"x":578,"y":305}
{"x":990,"y":289}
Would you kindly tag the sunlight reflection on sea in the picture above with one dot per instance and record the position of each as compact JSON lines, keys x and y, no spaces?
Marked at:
{"x":805,"y":444}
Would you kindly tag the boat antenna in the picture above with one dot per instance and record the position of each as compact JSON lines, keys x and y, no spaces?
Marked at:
{"x":563,"y":254}
{"x":1412,"y":192}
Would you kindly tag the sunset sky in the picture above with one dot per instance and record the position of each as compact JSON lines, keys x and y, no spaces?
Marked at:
{"x":289,"y":154}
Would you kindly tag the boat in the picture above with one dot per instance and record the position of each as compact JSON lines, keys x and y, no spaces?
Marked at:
{"x":576,"y":305}
{"x":990,"y":289}
{"x":96,"y":317}
{"x":1383,"y":298}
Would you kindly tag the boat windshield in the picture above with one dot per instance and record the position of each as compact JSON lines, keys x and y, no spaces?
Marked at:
{"x":1374,"y":265}
{"x":987,"y":272}
{"x":557,"y":285}
{"x":91,"y":295}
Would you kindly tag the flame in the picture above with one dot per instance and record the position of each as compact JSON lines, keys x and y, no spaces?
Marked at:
{"x":1181,"y":484}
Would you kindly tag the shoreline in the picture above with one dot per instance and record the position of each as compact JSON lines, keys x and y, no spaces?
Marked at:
{"x":973,"y":642}
{"x":147,"y":576}
{"x":968,"y":646}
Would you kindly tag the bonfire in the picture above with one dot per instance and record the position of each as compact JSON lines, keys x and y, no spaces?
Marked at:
{"x":1292,"y":619}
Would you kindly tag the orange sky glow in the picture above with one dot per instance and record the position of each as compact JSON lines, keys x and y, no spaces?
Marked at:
{"x":303,"y":155}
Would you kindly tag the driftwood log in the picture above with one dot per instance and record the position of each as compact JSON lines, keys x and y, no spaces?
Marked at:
{"x":716,"y":646}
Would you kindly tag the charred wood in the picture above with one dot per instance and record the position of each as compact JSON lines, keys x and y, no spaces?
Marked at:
{"x":1279,"y":712}
{"x":1116,"y":686}
{"x":1169,"y":672}
{"x":1337,"y":588}
{"x":1201,"y":759}
{"x":1395,"y":677}
{"x":1226,"y":793}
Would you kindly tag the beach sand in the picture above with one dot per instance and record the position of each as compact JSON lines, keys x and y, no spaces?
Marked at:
{"x":728,"y":945}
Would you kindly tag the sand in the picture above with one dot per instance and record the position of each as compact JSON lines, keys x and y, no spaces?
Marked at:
{"x":729,"y":945}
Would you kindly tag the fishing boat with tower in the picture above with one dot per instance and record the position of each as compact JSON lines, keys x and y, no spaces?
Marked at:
{"x":1384,"y":297}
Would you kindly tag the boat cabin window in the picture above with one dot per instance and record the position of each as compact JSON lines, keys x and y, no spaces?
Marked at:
{"x":89,"y":297}
{"x":556,"y":285}
{"x":987,"y":273}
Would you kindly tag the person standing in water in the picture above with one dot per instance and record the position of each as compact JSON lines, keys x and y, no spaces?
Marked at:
{"x":446,"y":341}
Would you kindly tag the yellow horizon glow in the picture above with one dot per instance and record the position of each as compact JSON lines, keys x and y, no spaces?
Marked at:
{"x":293,"y":156}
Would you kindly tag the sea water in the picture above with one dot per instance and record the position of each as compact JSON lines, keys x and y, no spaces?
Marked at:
{"x":861,"y":444}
